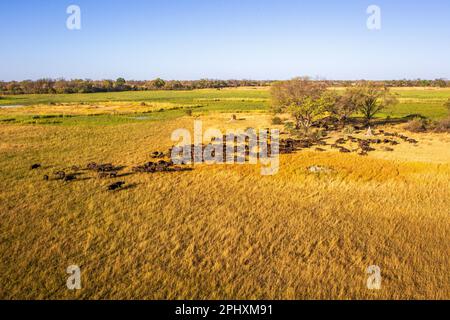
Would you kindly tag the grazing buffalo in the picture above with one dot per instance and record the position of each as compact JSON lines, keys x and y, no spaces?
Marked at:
{"x":363,"y":153}
{"x":69,"y":177}
{"x":103,"y":175}
{"x":35,"y":166}
{"x":91,"y":166}
{"x":107,"y":167}
{"x":116,"y":185}
{"x":60,"y":175}
{"x":344,"y":150}
{"x":157,"y":155}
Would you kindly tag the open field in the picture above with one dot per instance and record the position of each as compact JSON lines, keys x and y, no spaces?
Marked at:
{"x":218,"y":231}
{"x":426,"y":101}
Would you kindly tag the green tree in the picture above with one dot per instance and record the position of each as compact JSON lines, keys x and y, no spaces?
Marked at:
{"x":158,"y":83}
{"x":108,"y":85}
{"x":371,"y":98}
{"x":173,"y":85}
{"x":304,"y":99}
{"x":441,"y":83}
{"x":120,"y":82}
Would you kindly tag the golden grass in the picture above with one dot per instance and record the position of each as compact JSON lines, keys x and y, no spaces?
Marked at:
{"x":88,"y":109}
{"x":221,"y":232}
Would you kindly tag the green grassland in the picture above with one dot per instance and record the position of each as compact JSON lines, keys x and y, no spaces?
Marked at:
{"x":201,"y":101}
{"x":181,"y":96}
{"x":426,"y":102}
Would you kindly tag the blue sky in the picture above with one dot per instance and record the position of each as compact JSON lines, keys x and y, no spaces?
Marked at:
{"x":193,"y":39}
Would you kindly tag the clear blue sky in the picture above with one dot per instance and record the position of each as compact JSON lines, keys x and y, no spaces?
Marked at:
{"x":255,"y":39}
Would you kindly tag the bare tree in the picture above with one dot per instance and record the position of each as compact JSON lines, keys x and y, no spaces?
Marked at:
{"x":345,"y":106}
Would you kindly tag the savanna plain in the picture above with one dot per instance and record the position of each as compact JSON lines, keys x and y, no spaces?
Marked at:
{"x":216,"y":231}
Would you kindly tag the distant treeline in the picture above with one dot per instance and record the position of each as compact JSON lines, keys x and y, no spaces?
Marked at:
{"x":52,"y":86}
{"x":46,"y":86}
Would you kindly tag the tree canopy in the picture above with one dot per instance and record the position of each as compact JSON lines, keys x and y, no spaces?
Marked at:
{"x":371,"y":98}
{"x":303,"y":98}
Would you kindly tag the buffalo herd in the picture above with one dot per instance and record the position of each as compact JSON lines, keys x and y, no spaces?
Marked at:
{"x":362,"y":146}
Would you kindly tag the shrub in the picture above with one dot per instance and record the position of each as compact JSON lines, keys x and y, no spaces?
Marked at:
{"x":277,"y":121}
{"x":143,"y":104}
{"x":417,"y":125}
{"x":443,"y":125}
{"x":188,"y":112}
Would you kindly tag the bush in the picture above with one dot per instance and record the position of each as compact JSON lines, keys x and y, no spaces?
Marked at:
{"x":188,"y":112}
{"x":443,"y":125}
{"x":417,"y":125}
{"x":277,"y":121}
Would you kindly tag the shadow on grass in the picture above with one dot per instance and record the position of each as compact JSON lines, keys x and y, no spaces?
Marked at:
{"x":127,"y":187}
{"x":125,"y":174}
{"x":386,"y":121}
{"x":82,"y":179}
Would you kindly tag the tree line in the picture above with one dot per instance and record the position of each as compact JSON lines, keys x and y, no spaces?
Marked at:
{"x":57,"y":86}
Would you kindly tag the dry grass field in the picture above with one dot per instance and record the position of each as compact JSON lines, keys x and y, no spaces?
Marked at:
{"x":220,"y":231}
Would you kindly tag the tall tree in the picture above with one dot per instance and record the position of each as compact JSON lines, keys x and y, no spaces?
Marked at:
{"x":120,"y":82}
{"x":303,"y":98}
{"x":344,"y":106}
{"x":371,"y":98}
{"x":158,"y":83}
